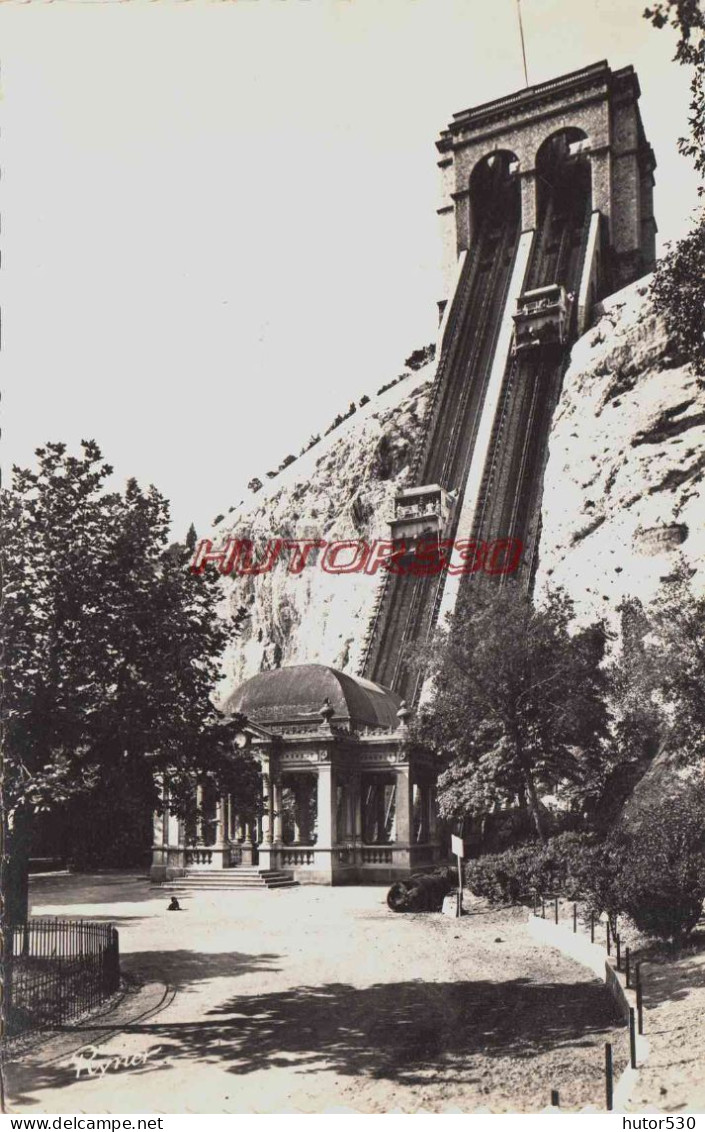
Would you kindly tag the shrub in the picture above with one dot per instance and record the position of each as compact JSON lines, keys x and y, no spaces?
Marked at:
{"x":661,"y":882}
{"x":678,"y":292}
{"x":560,"y":866}
{"x":505,"y":878}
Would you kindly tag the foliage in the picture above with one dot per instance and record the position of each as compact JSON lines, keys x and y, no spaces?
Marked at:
{"x":111,"y":647}
{"x":678,"y":291}
{"x":518,"y":706}
{"x":639,"y":722}
{"x":661,"y":882}
{"x":687,"y":17}
{"x":679,"y":652}
{"x":517,"y":875}
{"x":421,"y":357}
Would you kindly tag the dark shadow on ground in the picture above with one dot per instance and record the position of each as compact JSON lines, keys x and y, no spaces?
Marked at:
{"x":394,"y":1030}
{"x":182,"y":967}
{"x":50,"y":1061}
{"x":92,"y":888}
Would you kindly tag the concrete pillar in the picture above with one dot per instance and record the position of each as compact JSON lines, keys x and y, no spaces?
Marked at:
{"x":268,"y":815}
{"x":463,"y":220}
{"x":199,"y":815}
{"x":325,"y":807}
{"x":296,"y":788}
{"x":357,"y":807}
{"x":403,"y":808}
{"x":432,"y":813}
{"x":248,"y":846}
{"x":220,"y":834}
{"x":277,"y":810}
{"x":401,"y":849}
{"x":267,"y":855}
{"x":324,"y":855}
{"x":529,"y":203}
{"x":601,"y":184}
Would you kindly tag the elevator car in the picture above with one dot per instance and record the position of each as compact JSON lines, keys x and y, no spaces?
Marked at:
{"x":542,"y":318}
{"x":421,"y":512}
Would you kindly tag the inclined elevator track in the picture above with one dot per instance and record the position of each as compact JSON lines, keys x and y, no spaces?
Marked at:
{"x":508,"y":503}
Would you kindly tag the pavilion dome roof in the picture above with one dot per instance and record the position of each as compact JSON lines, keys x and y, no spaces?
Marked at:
{"x":298,"y":692}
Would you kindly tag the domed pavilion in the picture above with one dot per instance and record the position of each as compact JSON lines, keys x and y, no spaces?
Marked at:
{"x":345,"y":798}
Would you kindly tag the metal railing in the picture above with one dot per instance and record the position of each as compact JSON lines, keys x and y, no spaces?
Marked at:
{"x":56,"y":970}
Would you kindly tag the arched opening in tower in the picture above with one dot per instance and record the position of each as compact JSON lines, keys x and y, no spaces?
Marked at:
{"x":495,"y":196}
{"x":564,"y":196}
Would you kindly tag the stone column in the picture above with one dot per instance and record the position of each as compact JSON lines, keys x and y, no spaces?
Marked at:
{"x":401,"y":850}
{"x":265,"y":849}
{"x":433,"y":822}
{"x":296,"y":791}
{"x":160,"y":835}
{"x":277,"y":810}
{"x":199,"y":814}
{"x":601,"y":185}
{"x":324,"y":863}
{"x":463,"y":220}
{"x":529,"y":202}
{"x":248,"y":846}
{"x":357,"y":807}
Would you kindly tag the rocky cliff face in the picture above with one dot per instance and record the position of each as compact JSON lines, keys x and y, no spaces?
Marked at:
{"x":623,"y":496}
{"x":623,"y":491}
{"x":342,"y":488}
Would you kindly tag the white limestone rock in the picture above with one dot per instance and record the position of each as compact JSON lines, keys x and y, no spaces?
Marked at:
{"x":623,"y":490}
{"x":342,"y":488}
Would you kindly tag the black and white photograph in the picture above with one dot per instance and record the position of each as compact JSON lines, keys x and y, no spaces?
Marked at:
{"x":353,"y":560}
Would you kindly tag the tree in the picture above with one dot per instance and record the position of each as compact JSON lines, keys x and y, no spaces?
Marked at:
{"x":676,"y":653}
{"x":687,"y":17}
{"x":679,"y":284}
{"x":518,"y":705}
{"x":110,"y":651}
{"x":678,"y":292}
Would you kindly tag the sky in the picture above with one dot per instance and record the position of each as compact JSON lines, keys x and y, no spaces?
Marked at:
{"x":218,"y":218}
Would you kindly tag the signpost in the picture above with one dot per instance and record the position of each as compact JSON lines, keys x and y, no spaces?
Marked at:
{"x":457,"y":847}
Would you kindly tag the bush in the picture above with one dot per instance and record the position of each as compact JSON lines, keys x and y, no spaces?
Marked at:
{"x":558,"y":867}
{"x":661,"y":881}
{"x":678,"y":292}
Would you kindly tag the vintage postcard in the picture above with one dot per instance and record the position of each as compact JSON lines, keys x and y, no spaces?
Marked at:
{"x":353,"y":621}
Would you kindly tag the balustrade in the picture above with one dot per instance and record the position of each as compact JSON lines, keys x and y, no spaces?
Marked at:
{"x":296,"y":857}
{"x":376,"y":855}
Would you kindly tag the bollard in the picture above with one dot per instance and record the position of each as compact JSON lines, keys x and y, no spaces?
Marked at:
{"x":592,"y":927}
{"x":555,"y":903}
{"x":555,"y":1101}
{"x":575,"y":918}
{"x":609,"y":1082}
{"x":626,"y":965}
{"x":617,"y":942}
{"x":632,"y":1037}
{"x":639,"y":999}
{"x":609,"y":937}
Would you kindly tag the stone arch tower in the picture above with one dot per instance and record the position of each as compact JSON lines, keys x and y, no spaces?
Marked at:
{"x":598,"y":106}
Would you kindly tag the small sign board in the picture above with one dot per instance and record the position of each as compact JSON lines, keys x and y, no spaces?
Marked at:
{"x":450,"y":905}
{"x":456,"y":846}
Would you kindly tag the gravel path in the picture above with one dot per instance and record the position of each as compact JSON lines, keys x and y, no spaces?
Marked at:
{"x":312,"y":999}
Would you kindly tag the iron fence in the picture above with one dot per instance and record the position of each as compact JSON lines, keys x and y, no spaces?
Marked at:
{"x":56,"y":970}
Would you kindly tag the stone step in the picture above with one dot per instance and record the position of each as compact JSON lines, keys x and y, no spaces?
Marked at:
{"x":225,"y":880}
{"x":175,"y":889}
